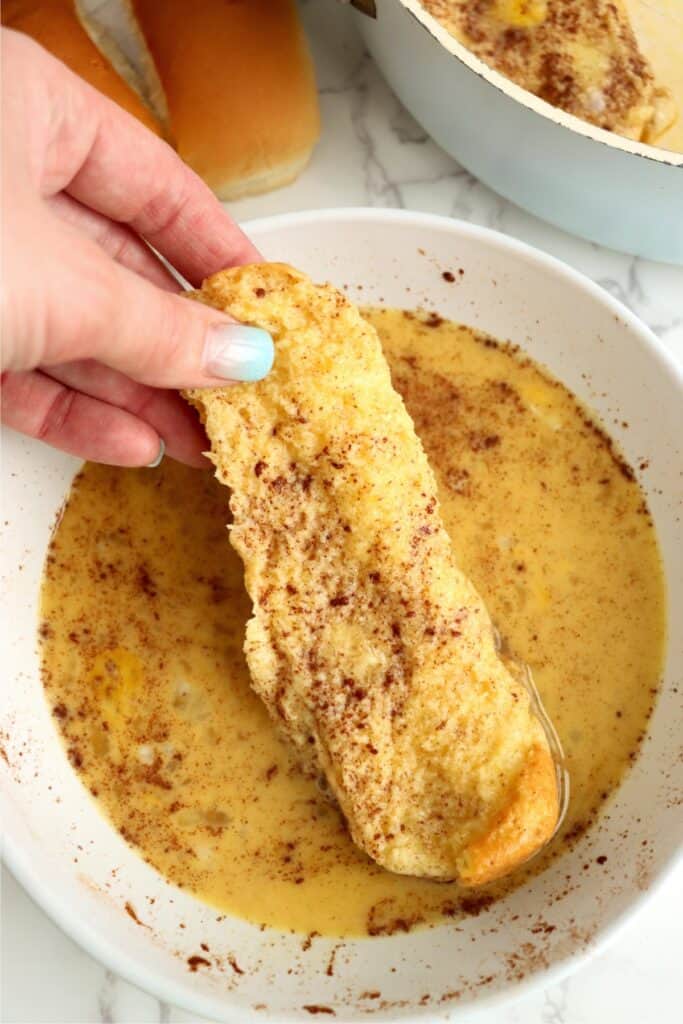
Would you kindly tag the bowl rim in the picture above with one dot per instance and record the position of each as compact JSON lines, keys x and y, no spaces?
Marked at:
{"x":533,"y":103}
{"x":177,"y":992}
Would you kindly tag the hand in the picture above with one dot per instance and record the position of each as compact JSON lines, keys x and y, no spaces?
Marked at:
{"x":94,"y":330}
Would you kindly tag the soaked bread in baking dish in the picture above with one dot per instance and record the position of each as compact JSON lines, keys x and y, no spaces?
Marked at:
{"x":368,"y":645}
{"x":580,"y":55}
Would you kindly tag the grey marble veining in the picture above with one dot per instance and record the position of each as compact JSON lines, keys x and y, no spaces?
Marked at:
{"x":372,"y":153}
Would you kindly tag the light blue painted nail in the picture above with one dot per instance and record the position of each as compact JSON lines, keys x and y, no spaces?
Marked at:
{"x":238,"y":352}
{"x":160,"y":456}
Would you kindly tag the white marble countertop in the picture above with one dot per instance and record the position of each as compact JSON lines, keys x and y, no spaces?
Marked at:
{"x":373,"y":154}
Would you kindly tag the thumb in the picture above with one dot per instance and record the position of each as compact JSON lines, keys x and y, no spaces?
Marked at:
{"x":166,"y":340}
{"x":98,"y":309}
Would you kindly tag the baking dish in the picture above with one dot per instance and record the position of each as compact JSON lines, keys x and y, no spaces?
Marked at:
{"x":591,"y":182}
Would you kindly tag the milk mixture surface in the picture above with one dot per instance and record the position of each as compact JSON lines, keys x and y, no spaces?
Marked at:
{"x":143,"y":614}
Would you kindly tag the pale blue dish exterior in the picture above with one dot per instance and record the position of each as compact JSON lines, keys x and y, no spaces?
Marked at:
{"x":623,"y":195}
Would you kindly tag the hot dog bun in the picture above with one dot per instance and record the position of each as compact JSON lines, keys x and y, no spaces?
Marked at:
{"x":59,"y":27}
{"x":239,"y":87}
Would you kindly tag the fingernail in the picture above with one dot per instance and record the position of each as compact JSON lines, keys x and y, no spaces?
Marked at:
{"x":160,"y":456}
{"x":238,"y":352}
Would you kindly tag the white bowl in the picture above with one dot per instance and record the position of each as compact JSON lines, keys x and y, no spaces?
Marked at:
{"x":82,"y":873}
{"x":589,"y":181}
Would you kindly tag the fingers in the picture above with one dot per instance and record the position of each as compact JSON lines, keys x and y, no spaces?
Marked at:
{"x":108,"y":161}
{"x":117,"y":240}
{"x":89,"y":307}
{"x":153,"y":336}
{"x":165,"y":411}
{"x":42,"y":408}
